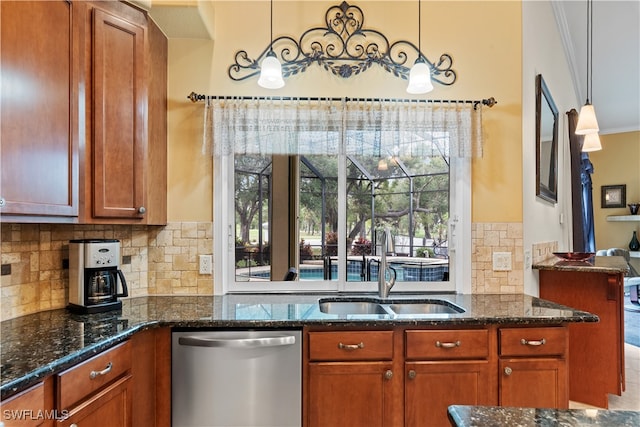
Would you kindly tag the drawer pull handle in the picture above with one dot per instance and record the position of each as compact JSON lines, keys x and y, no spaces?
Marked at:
{"x":534,"y":343}
{"x":388,"y":374}
{"x":412,"y":374}
{"x":448,"y":344}
{"x":350,"y":346}
{"x":105,"y":371}
{"x":508,"y":371}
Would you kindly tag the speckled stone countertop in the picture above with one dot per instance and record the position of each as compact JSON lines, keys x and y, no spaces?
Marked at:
{"x":597,"y":264}
{"x":38,"y":345}
{"x":494,"y":416}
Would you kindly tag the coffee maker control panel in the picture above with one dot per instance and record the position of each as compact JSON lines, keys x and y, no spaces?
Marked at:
{"x":102,"y":255}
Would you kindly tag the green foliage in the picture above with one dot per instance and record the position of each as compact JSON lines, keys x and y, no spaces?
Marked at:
{"x":425,"y":252}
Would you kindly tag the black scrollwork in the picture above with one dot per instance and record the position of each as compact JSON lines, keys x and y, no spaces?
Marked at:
{"x":344,"y":48}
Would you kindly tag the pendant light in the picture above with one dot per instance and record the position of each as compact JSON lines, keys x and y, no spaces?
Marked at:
{"x":591,"y":142}
{"x":587,"y":122}
{"x":419,"y":75}
{"x":271,"y":69}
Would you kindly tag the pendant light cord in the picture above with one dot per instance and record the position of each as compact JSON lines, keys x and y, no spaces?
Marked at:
{"x":589,"y":51}
{"x":419,"y":28}
{"x":271,"y":27}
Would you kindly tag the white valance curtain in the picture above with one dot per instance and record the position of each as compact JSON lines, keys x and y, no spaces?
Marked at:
{"x":259,"y":126}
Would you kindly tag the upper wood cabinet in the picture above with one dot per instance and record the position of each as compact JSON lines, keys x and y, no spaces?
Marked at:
{"x":39,"y":138}
{"x":83,"y":114}
{"x":125,"y":59}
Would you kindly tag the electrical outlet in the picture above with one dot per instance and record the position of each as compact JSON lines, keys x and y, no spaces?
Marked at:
{"x":206,"y":264}
{"x":502,"y":261}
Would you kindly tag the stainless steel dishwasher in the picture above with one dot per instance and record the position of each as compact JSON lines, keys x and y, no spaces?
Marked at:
{"x":236,"y":378}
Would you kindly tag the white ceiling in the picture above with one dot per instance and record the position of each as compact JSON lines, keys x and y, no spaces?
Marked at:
{"x":616,"y":58}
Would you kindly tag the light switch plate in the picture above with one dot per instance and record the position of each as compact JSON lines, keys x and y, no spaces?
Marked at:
{"x":502,"y":261}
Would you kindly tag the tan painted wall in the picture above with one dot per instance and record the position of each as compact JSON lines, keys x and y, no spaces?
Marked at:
{"x":190,"y":177}
{"x":483,"y":37}
{"x":617,"y":163}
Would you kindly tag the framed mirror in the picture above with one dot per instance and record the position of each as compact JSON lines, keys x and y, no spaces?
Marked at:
{"x":546,"y":143}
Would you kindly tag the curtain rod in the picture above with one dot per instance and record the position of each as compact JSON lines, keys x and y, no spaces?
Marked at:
{"x":195,"y":97}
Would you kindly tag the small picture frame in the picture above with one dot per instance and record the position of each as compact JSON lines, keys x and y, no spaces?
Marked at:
{"x":614,"y":196}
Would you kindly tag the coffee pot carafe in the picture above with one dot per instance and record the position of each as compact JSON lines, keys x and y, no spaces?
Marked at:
{"x":94,"y":275}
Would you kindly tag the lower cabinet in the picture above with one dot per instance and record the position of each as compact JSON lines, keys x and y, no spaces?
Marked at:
{"x":99,"y":391}
{"x":533,"y":367}
{"x":366,"y":386}
{"x":409,"y":376}
{"x":30,"y":408}
{"x":352,"y":367}
{"x":446,"y":368}
{"x":110,"y":407}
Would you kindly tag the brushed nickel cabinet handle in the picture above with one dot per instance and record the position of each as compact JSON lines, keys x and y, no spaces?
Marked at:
{"x":142,"y":210}
{"x":2,"y":202}
{"x":447,"y":344}
{"x":350,"y":346}
{"x":412,"y":374}
{"x":508,"y":371}
{"x":105,"y":371}
{"x":388,"y":374}
{"x":534,"y":343}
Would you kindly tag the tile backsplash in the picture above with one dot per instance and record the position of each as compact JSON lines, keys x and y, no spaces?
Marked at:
{"x":156,"y":260}
{"x":163,"y":260}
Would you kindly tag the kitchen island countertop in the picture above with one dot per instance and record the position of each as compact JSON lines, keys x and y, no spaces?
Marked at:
{"x":486,"y":416}
{"x":41,"y":344}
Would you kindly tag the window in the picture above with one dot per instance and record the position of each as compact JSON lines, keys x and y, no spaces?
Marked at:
{"x":316,"y":200}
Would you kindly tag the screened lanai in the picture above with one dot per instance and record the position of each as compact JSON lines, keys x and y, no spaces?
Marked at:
{"x":387,"y":188}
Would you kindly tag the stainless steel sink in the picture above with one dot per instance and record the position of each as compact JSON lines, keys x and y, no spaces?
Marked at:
{"x":392,"y":307}
{"x":351,"y":307}
{"x":431,"y":307}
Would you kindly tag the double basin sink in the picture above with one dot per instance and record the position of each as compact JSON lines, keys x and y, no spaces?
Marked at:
{"x":388,"y":307}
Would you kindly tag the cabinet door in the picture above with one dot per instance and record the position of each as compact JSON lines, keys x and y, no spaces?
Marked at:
{"x":536,"y":383}
{"x":39,"y":132}
{"x":350,"y":394}
{"x":430,"y":387}
{"x":23,"y":410}
{"x":111,"y":407}
{"x":119,"y":140}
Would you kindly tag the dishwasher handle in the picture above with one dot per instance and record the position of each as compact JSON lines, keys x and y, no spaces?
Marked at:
{"x":257,"y":342}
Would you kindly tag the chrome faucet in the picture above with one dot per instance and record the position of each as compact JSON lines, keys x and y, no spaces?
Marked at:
{"x":384,"y":285}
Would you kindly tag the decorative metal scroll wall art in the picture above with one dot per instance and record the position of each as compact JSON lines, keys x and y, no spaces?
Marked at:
{"x":345,"y":48}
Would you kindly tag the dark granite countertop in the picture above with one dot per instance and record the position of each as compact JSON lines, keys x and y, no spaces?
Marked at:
{"x":38,"y":345}
{"x":597,"y":264}
{"x":494,"y":416}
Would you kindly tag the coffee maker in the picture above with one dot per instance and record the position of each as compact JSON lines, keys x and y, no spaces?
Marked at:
{"x":93,"y":276}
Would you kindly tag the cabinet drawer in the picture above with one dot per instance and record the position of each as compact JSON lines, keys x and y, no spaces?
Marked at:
{"x":360,"y":345}
{"x":76,"y":383}
{"x":447,"y":344}
{"x":533,"y":341}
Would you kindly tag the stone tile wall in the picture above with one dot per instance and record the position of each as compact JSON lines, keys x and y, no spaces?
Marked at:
{"x":160,"y":260}
{"x":488,"y":238}
{"x":543,"y":250}
{"x":164,"y":260}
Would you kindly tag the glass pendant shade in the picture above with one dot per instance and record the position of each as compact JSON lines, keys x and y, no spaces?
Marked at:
{"x":419,"y":78}
{"x":591,"y":142}
{"x":587,"y":122}
{"x":271,"y":72}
